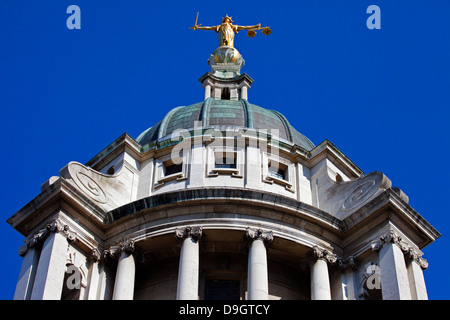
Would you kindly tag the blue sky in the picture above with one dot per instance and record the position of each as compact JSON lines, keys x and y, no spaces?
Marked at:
{"x":381,"y":96}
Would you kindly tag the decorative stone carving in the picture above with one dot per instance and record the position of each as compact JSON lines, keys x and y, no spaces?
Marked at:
{"x":362,"y":192}
{"x":193,"y":232}
{"x":105,"y":191}
{"x":390,"y":237}
{"x":423,"y":263}
{"x":253,"y":234}
{"x":127,"y":246}
{"x":115,"y":251}
{"x":343,"y":198}
{"x":95,"y":255}
{"x":38,"y":238}
{"x":393,"y":237}
{"x":84,"y":179}
{"x":319,"y":253}
{"x":348,"y":262}
{"x":413,"y":255}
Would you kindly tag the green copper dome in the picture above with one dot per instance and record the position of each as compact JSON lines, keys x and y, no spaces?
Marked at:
{"x":221,"y":114}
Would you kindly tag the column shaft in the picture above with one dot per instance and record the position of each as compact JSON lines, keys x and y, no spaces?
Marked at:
{"x":187,"y":288}
{"x":393,"y":274}
{"x":257,"y":277}
{"x":244,"y":94}
{"x":27,"y":275}
{"x":207,"y":91}
{"x":94,"y":281}
{"x":416,"y":281}
{"x":125,"y":274}
{"x":320,"y":280}
{"x":51,"y":269}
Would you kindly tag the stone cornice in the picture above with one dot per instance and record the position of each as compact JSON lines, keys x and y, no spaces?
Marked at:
{"x":240,"y":78}
{"x":386,"y":200}
{"x":178,"y":197}
{"x":325,"y":149}
{"x":116,"y":147}
{"x":60,"y":191}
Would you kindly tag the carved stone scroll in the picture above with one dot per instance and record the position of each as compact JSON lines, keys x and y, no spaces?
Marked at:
{"x":38,"y":238}
{"x":319,"y":253}
{"x":85,"y":180}
{"x":408,"y":250}
{"x":193,"y":232}
{"x":253,"y":234}
{"x":115,"y":251}
{"x":343,"y":198}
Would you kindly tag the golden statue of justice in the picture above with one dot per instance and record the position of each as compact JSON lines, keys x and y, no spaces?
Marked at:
{"x":227,"y":29}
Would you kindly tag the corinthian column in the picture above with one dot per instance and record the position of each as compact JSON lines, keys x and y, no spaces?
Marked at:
{"x":49,"y":278}
{"x":320,"y":279}
{"x":126,"y":270}
{"x":187,"y":287}
{"x":393,"y":272}
{"x":30,"y":253}
{"x":257,"y":276}
{"x":415,"y":276}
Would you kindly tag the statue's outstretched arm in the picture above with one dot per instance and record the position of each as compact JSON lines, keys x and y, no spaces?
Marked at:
{"x":258,"y":26}
{"x":197,"y":27}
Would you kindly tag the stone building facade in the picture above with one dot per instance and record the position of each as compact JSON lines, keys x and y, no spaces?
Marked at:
{"x":221,"y":199}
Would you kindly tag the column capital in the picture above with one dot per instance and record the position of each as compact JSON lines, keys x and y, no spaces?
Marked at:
{"x":319,"y":253}
{"x":194,"y":233}
{"x":115,"y":251}
{"x":415,"y":256}
{"x":391,"y":236}
{"x":39,"y":237}
{"x":348,"y":262}
{"x":258,"y":234}
{"x":95,"y":255}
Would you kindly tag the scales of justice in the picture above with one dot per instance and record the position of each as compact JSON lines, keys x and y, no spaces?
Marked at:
{"x":226,"y":61}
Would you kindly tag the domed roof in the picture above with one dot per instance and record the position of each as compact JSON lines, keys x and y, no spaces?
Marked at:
{"x":222,"y":114}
